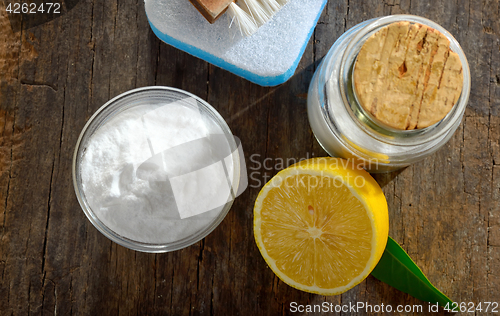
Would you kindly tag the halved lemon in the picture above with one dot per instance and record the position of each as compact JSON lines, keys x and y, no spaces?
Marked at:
{"x":321,"y":225}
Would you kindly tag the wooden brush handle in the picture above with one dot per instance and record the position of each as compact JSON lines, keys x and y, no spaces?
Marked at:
{"x":211,"y":9}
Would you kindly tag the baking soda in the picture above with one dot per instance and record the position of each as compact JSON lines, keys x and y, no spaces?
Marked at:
{"x":158,"y":173}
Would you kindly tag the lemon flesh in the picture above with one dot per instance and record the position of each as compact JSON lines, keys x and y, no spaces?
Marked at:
{"x":321,"y":226}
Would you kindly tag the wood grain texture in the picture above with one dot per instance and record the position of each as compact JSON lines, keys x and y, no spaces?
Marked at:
{"x":445,"y":210}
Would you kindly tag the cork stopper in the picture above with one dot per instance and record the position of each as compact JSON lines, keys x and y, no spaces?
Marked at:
{"x":407,"y":77}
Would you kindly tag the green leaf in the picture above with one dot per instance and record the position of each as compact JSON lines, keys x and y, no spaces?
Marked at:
{"x":398,"y":270}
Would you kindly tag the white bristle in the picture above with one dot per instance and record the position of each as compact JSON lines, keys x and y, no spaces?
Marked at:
{"x":282,"y":2}
{"x":250,"y":14}
{"x":271,"y":6}
{"x":256,"y":10}
{"x":245,"y":22}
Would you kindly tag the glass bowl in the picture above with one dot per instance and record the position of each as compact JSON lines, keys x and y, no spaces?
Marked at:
{"x":181,"y":232}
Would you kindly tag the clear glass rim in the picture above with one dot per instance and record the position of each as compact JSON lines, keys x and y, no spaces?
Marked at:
{"x":384,"y":133}
{"x":86,"y":133}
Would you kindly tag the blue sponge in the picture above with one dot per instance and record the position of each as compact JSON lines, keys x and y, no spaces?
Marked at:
{"x":268,"y":58}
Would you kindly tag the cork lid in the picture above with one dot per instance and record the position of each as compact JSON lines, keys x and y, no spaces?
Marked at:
{"x":407,"y":77}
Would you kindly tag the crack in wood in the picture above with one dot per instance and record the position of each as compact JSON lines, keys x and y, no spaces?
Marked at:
{"x":11,"y":160}
{"x":172,"y":289}
{"x":212,"y":293}
{"x":27,"y":241}
{"x":39,"y":84}
{"x":157,"y":62}
{"x":137,"y":56}
{"x":47,"y":220}
{"x":155,"y":293}
{"x":92,"y":65}
{"x":199,"y":261}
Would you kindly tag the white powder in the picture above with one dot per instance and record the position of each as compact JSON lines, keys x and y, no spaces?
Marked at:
{"x":181,"y":185}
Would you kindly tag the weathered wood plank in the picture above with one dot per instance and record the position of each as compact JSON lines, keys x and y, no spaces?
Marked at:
{"x":444,"y":210}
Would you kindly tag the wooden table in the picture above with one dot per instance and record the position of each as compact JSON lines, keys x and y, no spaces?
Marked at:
{"x":445,"y":210}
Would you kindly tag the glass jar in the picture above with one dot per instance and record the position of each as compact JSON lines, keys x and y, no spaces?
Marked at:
{"x":119,"y":205}
{"x":344,"y":129}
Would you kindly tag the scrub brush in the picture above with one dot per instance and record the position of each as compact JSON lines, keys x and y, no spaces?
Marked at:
{"x":249,"y":15}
